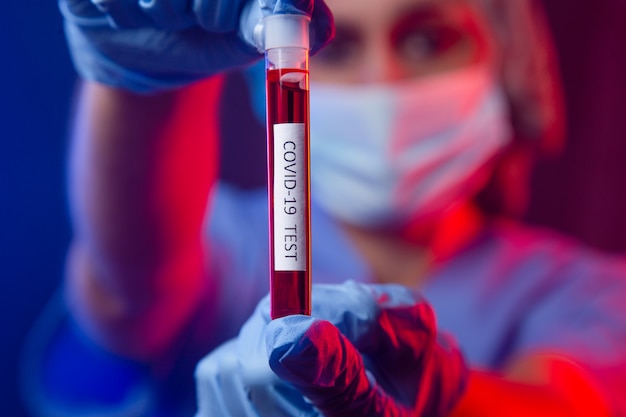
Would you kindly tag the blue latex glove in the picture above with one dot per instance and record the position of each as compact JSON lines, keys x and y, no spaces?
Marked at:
{"x":368,"y":350}
{"x":152,"y":45}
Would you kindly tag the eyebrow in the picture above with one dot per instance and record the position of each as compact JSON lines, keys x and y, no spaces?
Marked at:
{"x":413,"y":13}
{"x":432,"y":11}
{"x":425,"y":12}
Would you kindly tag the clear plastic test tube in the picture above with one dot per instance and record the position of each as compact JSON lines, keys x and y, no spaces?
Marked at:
{"x":286,"y":44}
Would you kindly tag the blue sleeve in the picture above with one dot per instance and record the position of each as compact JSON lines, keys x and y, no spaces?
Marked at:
{"x":585,"y":317}
{"x":237,"y":235}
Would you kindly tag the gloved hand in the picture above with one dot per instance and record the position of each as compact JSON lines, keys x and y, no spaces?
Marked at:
{"x":152,"y":45}
{"x":368,"y":350}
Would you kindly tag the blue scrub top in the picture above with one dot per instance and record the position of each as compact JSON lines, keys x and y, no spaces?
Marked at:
{"x":513,"y":291}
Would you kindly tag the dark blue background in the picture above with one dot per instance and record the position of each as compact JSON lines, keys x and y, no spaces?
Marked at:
{"x":36,"y":79}
{"x":581,"y":193}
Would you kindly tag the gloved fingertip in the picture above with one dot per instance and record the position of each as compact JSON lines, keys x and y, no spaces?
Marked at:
{"x":286,"y":331}
{"x":302,"y":349}
{"x":327,"y":369}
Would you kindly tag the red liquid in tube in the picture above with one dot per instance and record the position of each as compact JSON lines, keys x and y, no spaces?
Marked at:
{"x":289,"y":191}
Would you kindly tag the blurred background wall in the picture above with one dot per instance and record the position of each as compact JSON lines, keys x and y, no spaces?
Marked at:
{"x":581,"y":193}
{"x":35,"y":85}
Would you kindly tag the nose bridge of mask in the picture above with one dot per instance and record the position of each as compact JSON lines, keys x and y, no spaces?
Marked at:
{"x":359,"y":106}
{"x":361,"y":119}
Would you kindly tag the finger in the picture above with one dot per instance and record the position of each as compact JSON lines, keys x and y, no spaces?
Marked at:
{"x":349,"y":306}
{"x":326,"y":368}
{"x":392,"y":327}
{"x":400,"y":350}
{"x":357,"y":310}
{"x":405,"y":328}
{"x":169,"y":14}
{"x":422,"y":368}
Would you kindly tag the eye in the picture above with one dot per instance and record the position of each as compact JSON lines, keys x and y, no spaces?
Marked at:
{"x":342,"y":50}
{"x":422,"y":43}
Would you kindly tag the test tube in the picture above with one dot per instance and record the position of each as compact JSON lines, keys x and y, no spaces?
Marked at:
{"x":286,"y":44}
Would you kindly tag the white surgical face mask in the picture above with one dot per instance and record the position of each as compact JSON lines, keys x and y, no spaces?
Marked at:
{"x":384,"y":154}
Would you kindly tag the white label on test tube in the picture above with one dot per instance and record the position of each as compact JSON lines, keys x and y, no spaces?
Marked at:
{"x":289,"y":197}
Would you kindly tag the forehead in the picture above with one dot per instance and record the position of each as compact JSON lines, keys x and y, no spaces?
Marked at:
{"x":375,"y":13}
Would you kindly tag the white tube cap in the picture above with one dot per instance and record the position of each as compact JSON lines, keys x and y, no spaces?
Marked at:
{"x":283,"y":30}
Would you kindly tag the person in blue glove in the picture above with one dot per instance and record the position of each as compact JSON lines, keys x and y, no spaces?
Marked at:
{"x":424,"y":119}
